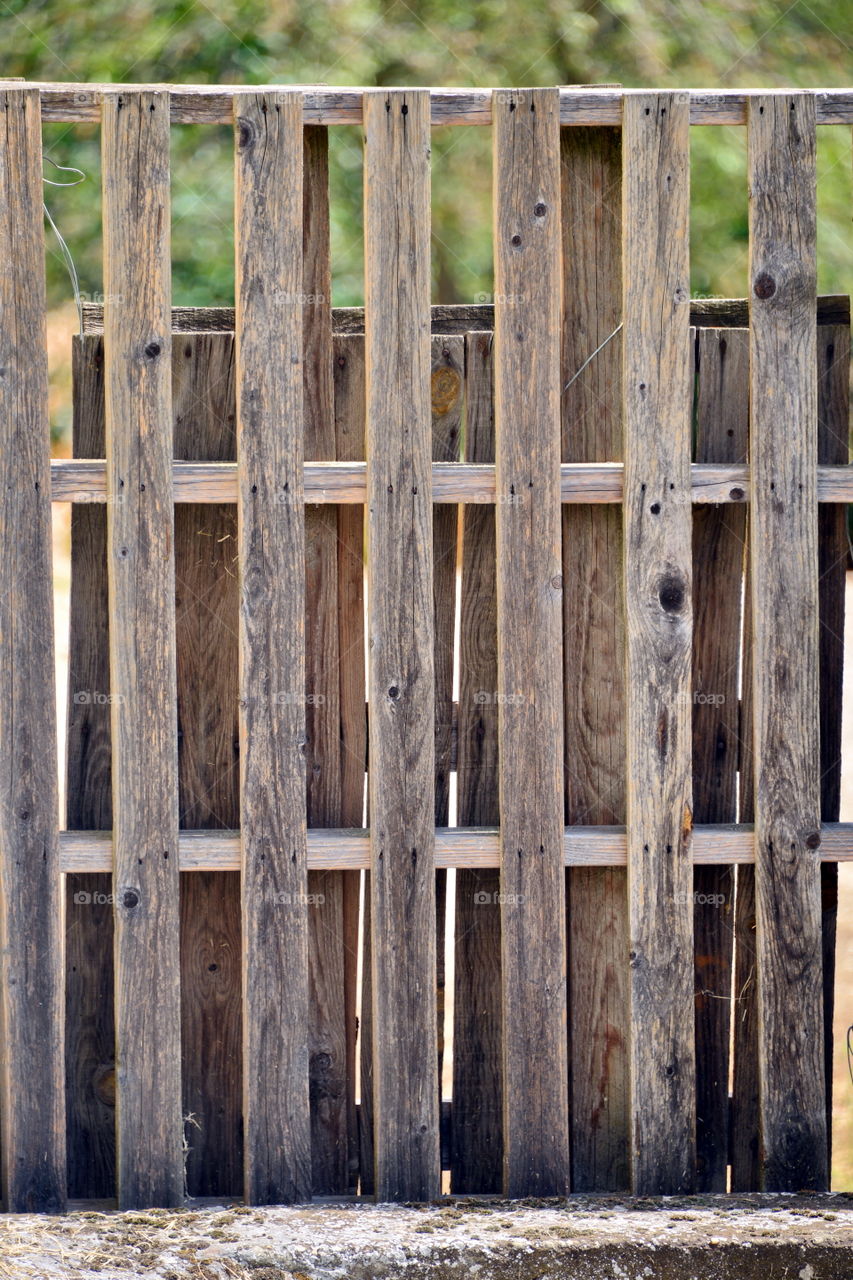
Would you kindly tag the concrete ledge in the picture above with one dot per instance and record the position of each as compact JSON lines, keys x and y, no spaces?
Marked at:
{"x":704,"y":1238}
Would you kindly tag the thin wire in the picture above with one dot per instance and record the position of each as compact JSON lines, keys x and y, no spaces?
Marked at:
{"x":590,"y":359}
{"x":66,"y":252}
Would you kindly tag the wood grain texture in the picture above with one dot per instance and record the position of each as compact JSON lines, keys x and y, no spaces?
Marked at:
{"x":719,"y":535}
{"x":206,"y":624}
{"x":594,"y":659}
{"x":32,"y":1095}
{"x":271,"y":541}
{"x":349,"y":406}
{"x":784,"y":565}
{"x":657,"y":530}
{"x":141,"y":572}
{"x":833,"y":419}
{"x":400,"y":622}
{"x":529,"y":612}
{"x":89,"y":934}
{"x":477,"y":1129}
{"x":447,"y":398}
{"x":329,"y":952}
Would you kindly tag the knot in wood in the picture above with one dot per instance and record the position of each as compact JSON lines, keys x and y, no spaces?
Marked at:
{"x":765,"y":286}
{"x":671,"y":593}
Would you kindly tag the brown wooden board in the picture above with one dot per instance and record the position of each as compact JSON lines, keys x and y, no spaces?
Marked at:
{"x":529,"y":603}
{"x":657,"y":529}
{"x":271,"y":540}
{"x":206,"y":617}
{"x":89,"y":935}
{"x":719,"y":533}
{"x":32,"y":1095}
{"x":400,"y":622}
{"x":784,"y":569}
{"x":594,"y":659}
{"x":833,"y":428}
{"x":477,"y":1115}
{"x":141,"y":574}
{"x":349,"y":438}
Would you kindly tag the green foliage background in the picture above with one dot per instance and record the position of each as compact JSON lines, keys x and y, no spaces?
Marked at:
{"x":666,"y":43}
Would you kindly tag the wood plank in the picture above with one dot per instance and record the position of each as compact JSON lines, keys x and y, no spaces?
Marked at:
{"x":271,"y":542}
{"x":446,"y":391}
{"x":833,"y":418}
{"x":529,"y":611}
{"x":594,"y":659}
{"x":328,"y":956}
{"x":400,"y":622}
{"x":89,"y":933}
{"x":349,"y":441}
{"x":447,"y":318}
{"x":784,"y":566}
{"x":32,"y":1093}
{"x":140,"y":547}
{"x":588,"y":105}
{"x":477,"y":1129}
{"x":206,"y":623}
{"x":657,"y":530}
{"x":719,"y":534}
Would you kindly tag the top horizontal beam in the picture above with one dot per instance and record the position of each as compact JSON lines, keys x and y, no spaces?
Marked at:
{"x":212,"y":104}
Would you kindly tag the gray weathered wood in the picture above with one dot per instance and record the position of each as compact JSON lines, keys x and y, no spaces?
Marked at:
{"x":206,"y":613}
{"x":722,"y":426}
{"x":477,"y":1130}
{"x":657,"y":525}
{"x":141,"y":571}
{"x":784,"y":564}
{"x":594,"y":659}
{"x":32,"y":1093}
{"x":89,"y":934}
{"x":271,"y":543}
{"x":529,"y":613}
{"x":400,"y":623}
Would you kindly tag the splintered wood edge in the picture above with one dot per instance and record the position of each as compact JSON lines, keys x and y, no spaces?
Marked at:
{"x":474,"y":847}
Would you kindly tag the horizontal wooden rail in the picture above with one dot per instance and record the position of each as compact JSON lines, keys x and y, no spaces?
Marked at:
{"x":475,"y":847}
{"x":84,"y":480}
{"x":212,"y":104}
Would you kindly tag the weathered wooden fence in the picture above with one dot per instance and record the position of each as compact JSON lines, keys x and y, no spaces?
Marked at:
{"x":647,"y":554}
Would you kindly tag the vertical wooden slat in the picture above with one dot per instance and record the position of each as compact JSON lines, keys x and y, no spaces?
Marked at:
{"x":206,"y":625}
{"x":529,"y":604}
{"x":657,"y":530}
{"x":271,"y":538}
{"x":141,"y":570}
{"x":89,"y":934}
{"x":446,"y":388}
{"x":594,"y":656}
{"x":477,"y":1133}
{"x":400,"y":622}
{"x":784,"y":567}
{"x":833,"y":398}
{"x":32,"y":1095}
{"x":328,"y":952}
{"x":349,"y":437}
{"x":719,"y":534}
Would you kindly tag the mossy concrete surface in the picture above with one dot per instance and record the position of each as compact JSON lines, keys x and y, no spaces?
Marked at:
{"x":704,"y":1238}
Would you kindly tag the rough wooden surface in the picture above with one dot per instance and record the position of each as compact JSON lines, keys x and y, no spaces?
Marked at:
{"x":477,"y":1130}
{"x":32,"y":1112}
{"x":657,"y":524}
{"x":719,"y":533}
{"x":529,"y":612}
{"x":400,"y":622}
{"x":784,"y":565}
{"x":141,"y":571}
{"x":206,"y":624}
{"x":833,"y":418}
{"x":594,"y":659}
{"x":271,"y":544}
{"x":89,"y":934}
